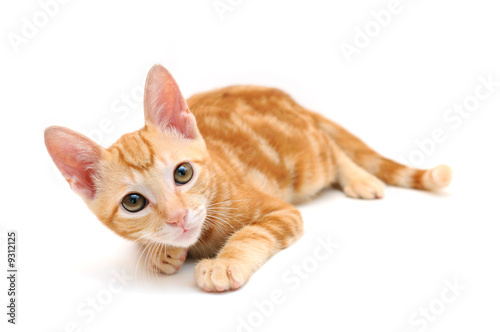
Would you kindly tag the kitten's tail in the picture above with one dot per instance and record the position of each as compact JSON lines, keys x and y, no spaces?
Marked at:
{"x":385,"y":169}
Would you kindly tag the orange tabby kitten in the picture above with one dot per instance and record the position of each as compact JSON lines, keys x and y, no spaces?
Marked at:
{"x":217,"y":176}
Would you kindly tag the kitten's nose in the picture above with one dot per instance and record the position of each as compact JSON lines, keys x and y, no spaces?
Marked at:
{"x":178,"y":217}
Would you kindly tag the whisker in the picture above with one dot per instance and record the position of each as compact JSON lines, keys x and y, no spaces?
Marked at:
{"x":137,"y":252}
{"x":143,"y":236}
{"x":138,"y":261}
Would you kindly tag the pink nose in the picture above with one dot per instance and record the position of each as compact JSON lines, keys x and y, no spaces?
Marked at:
{"x":178,"y":217}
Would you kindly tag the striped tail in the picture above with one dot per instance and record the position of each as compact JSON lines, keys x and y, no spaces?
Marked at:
{"x":387,"y":170}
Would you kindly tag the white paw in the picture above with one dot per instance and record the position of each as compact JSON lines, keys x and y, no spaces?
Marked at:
{"x":219,"y":274}
{"x":366,"y":186}
{"x":168,"y":260}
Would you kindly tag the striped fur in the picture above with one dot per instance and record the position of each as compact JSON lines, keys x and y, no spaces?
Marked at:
{"x":254,"y":152}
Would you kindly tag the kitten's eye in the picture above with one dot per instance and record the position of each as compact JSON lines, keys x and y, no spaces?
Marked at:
{"x":134,"y":202}
{"x":183,"y":173}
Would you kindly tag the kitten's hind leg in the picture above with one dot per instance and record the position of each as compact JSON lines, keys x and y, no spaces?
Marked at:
{"x":276,"y":226}
{"x":389,"y":171}
{"x":355,"y":181}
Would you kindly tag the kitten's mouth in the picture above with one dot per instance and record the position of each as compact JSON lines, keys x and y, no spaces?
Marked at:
{"x":183,"y":229}
{"x":186,"y":231}
{"x":181,"y":236}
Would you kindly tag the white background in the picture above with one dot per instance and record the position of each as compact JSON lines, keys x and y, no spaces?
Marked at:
{"x":395,"y":254}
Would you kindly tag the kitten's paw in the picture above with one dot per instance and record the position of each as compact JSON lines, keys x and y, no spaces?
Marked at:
{"x":220,"y":274}
{"x":168,"y":260}
{"x":365,"y":187}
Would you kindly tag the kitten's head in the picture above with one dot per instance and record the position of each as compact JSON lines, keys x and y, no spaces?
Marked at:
{"x":151,"y":184}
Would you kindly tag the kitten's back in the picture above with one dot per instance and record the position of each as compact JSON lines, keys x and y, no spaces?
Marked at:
{"x":267,"y":137}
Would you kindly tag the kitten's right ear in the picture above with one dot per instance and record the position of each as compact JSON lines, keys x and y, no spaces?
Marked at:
{"x":164,"y":105}
{"x":77,"y":158}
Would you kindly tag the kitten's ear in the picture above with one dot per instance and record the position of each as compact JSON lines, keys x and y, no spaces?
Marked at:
{"x":76,"y":156}
{"x":164,"y":105}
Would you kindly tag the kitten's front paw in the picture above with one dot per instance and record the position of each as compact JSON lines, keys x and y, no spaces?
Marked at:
{"x":220,"y":274}
{"x":167,"y":260}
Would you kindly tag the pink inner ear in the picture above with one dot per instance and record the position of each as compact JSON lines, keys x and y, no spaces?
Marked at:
{"x":164,"y":105}
{"x":78,"y":175}
{"x":76,"y":157}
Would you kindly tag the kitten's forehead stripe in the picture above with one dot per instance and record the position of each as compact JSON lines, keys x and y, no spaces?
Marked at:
{"x":135,"y":151}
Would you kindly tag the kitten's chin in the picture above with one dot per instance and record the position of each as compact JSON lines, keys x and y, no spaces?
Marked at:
{"x":186,"y":238}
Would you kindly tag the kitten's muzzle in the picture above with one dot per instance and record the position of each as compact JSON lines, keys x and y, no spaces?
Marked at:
{"x":177,"y":217}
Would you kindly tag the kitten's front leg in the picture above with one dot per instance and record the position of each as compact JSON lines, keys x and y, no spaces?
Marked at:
{"x":165,"y":259}
{"x":279,"y":225}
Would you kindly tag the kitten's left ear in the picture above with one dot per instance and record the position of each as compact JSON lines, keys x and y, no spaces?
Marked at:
{"x":164,"y":105}
{"x":77,"y":158}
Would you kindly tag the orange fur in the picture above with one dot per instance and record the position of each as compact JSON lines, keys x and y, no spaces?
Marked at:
{"x":254,"y":152}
